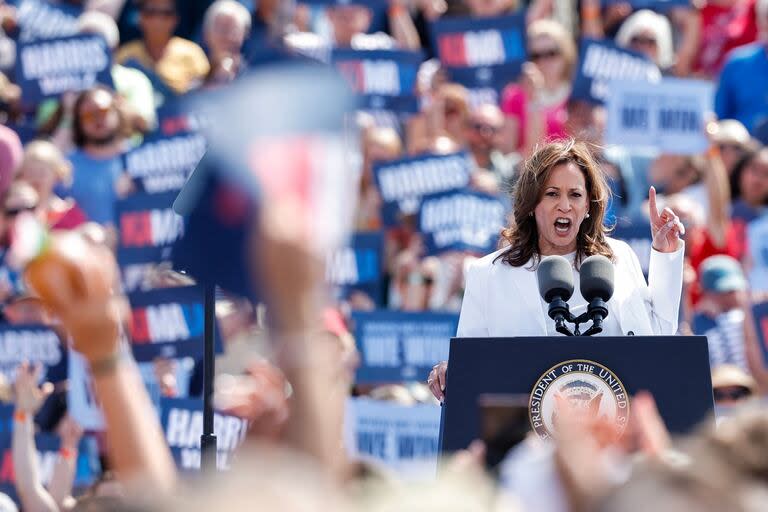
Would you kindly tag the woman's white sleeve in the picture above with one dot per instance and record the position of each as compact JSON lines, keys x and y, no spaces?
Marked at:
{"x":472,"y":321}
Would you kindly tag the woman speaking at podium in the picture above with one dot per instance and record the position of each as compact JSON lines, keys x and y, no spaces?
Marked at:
{"x":559,"y":205}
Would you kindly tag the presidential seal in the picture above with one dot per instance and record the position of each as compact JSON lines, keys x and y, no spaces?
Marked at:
{"x":589,"y":387}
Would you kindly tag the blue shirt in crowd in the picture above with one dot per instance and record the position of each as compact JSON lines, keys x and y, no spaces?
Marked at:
{"x":93,"y":185}
{"x":742,"y":93}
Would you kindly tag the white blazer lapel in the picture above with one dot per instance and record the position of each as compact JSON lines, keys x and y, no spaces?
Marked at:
{"x":522,"y":289}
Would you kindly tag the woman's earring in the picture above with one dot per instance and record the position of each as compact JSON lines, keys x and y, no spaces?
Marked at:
{"x":585,"y":218}
{"x":530,"y":214}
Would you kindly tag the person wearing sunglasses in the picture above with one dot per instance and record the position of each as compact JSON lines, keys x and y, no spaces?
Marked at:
{"x":535,"y":106}
{"x":484,"y":128}
{"x":179,"y":63}
{"x":731,"y":385}
{"x":650,"y":34}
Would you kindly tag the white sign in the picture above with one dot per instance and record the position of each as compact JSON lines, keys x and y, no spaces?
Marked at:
{"x":667,"y":116}
{"x":402,"y":438}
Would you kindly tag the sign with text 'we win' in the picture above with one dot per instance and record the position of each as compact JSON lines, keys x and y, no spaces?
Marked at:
{"x":162,"y":163}
{"x":182,"y":420}
{"x":463,"y":220}
{"x":397,"y":346}
{"x":50,"y":67}
{"x":403,"y":438}
{"x":382,"y":79}
{"x":358,"y":266}
{"x":167,"y":322}
{"x":667,"y":116}
{"x":402,"y":183}
{"x":474,"y":42}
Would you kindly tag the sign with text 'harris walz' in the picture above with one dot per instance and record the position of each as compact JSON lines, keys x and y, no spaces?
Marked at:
{"x":163,"y":164}
{"x":42,"y":19}
{"x":358,"y":267}
{"x":475,"y":42}
{"x":463,"y":220}
{"x":35,"y":344}
{"x":167,"y":322}
{"x":182,"y":420}
{"x":50,"y":67}
{"x":402,"y":183}
{"x":382,"y":79}
{"x":602,"y":61}
{"x":397,"y":346}
{"x":667,"y":116}
{"x":148,"y":227}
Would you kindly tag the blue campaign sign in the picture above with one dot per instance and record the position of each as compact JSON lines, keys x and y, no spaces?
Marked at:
{"x":600,"y":62}
{"x":396,"y":346}
{"x":655,"y":5}
{"x":168,"y":323}
{"x":162,"y":163}
{"x":182,"y":420}
{"x":473,"y":42}
{"x":760,"y":314}
{"x":148,"y":228}
{"x":402,"y":183}
{"x":32,"y":343}
{"x":637,"y":233}
{"x":667,"y":116}
{"x":50,"y":67}
{"x":382,"y":79}
{"x":485,"y":83}
{"x":359,"y":266}
{"x":463,"y":220}
{"x":404,"y":438}
{"x":41,"y":19}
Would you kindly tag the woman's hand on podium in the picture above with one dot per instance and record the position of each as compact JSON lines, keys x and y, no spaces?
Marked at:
{"x":436,"y":380}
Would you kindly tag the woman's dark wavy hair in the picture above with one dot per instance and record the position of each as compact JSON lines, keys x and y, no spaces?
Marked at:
{"x":522,"y":236}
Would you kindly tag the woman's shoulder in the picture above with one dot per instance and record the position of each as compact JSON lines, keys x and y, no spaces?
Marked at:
{"x":489,"y":260}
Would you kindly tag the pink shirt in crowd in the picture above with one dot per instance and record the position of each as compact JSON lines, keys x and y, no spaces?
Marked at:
{"x":513,"y":104}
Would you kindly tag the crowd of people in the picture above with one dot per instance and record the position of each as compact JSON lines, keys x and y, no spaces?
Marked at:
{"x":288,"y":363}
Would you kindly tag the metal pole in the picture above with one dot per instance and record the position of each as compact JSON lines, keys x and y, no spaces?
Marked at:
{"x":208,"y":439}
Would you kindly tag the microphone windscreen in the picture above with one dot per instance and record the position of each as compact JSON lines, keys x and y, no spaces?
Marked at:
{"x":596,"y":276}
{"x":555,"y":276}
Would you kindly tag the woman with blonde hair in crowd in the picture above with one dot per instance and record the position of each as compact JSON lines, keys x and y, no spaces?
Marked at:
{"x":535,"y":107}
{"x":44,"y":167}
{"x":650,"y":34}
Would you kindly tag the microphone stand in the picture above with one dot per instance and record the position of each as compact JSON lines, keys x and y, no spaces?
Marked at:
{"x":596,"y":312}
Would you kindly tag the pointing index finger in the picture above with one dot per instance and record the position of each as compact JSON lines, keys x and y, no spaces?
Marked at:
{"x":654,"y":211}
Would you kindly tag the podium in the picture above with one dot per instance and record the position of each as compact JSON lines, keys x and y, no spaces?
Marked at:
{"x":604,"y":372}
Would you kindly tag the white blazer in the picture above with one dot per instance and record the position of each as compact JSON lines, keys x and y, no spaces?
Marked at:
{"x":501,"y":300}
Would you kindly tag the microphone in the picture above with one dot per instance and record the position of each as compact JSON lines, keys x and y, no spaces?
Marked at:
{"x":597,"y":288}
{"x":555,"y":277}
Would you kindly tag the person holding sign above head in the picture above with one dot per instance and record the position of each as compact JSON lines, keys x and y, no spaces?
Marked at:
{"x":560,"y":202}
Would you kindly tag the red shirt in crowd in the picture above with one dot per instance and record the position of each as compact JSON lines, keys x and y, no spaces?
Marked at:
{"x":723,"y":28}
{"x":702,"y":247}
{"x":513,"y":104}
{"x":67,"y":219}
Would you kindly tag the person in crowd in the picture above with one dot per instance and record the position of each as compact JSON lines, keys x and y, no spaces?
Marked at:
{"x":724,"y":25}
{"x":132,"y":85}
{"x":226,"y":27}
{"x":413,"y":282}
{"x":558,"y":208}
{"x":732,"y":386}
{"x":535,"y":107}
{"x":380,"y":145}
{"x":44,"y":168}
{"x":734,"y":142}
{"x":349,"y":29}
{"x":740,"y":99}
{"x":11,"y":153}
{"x":749,"y":187}
{"x":720,"y":315}
{"x":179,"y":63}
{"x":445,"y":116}
{"x":34,"y":496}
{"x":484,"y":128}
{"x":99,"y":131}
{"x":650,"y":34}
